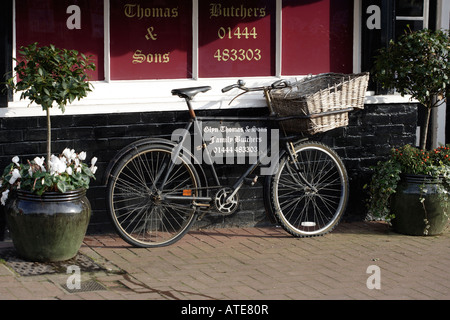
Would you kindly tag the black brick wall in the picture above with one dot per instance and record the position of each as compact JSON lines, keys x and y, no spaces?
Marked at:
{"x":369,"y":137}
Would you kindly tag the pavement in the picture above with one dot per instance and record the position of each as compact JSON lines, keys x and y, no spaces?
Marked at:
{"x":357,"y":261}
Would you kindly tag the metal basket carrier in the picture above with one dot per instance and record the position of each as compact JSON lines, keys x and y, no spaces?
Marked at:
{"x":320,"y":103}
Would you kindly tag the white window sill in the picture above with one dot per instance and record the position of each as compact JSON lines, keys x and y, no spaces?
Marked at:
{"x":149,"y":96}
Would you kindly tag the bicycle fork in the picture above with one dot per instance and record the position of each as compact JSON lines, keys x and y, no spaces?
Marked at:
{"x":298,"y":171}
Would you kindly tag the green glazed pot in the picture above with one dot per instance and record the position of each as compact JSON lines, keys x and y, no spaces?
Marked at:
{"x":409,"y":212}
{"x":50,"y":227}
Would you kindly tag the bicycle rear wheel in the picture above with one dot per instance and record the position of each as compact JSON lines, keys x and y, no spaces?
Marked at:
{"x":137,"y":205}
{"x":310,"y":192}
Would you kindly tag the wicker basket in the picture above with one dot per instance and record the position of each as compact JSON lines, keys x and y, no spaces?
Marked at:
{"x":312,"y":96}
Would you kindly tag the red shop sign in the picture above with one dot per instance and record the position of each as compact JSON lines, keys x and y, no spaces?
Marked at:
{"x":151,"y":39}
{"x":317,"y":36}
{"x":236,"y":38}
{"x":69,"y":24}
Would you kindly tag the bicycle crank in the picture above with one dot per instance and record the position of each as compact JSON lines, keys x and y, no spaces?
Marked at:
{"x":223,"y":204}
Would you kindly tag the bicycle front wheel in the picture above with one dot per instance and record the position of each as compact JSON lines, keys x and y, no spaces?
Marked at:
{"x":310,"y":190}
{"x":141,"y":211}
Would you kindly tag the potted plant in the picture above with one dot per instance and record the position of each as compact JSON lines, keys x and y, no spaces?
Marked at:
{"x":417,"y":64}
{"x":410,"y":188}
{"x":47,"y":211}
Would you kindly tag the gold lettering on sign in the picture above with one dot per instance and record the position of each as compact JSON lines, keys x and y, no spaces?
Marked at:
{"x":150,"y":34}
{"x":136,"y":11}
{"x":217,"y":10}
{"x":238,"y":55}
{"x":238,"y":33}
{"x":139,"y":57}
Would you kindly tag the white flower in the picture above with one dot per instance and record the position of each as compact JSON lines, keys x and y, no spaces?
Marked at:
{"x":66,"y":153}
{"x":4,"y":197}
{"x":16,"y":160}
{"x":77,"y":165}
{"x":40,"y":163}
{"x":15,"y":176}
{"x":82,"y":156}
{"x":93,"y":168}
{"x":69,"y":154}
{"x":69,"y":171}
{"x":60,"y":167}
{"x":56,"y":165}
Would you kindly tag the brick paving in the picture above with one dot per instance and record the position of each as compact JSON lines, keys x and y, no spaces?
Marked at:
{"x":253,"y":264}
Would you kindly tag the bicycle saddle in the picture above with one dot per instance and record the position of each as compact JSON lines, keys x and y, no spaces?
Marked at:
{"x":189,"y":93}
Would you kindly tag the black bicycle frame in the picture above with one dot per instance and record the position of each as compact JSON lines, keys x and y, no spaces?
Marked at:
{"x":179,"y":148}
{"x":272,"y":118}
{"x":240,"y":181}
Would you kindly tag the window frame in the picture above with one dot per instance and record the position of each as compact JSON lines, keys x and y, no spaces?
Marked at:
{"x":154,"y":95}
{"x":425,"y":18}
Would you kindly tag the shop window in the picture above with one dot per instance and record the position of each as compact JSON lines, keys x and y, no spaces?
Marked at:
{"x":154,"y":39}
{"x":317,"y":36}
{"x":236,"y":38}
{"x":74,"y":24}
{"x":412,"y":15}
{"x":151,"y":39}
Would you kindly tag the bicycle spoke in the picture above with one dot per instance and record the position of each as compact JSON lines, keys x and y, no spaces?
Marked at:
{"x":310,"y":191}
{"x":141,"y":213}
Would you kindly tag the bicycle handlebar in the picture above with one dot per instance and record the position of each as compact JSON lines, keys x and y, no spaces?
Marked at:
{"x":240,"y":84}
{"x":228,"y":88}
{"x":279,"y":84}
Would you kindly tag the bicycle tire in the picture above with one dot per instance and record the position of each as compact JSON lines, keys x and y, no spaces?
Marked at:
{"x":310,"y":210}
{"x":139,"y":214}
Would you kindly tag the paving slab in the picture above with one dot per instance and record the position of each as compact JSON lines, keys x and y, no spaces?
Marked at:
{"x":357,"y":261}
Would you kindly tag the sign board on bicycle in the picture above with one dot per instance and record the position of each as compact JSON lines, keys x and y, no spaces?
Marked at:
{"x":233,"y":140}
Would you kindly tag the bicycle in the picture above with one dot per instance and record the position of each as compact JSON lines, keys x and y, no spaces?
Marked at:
{"x":157,"y":188}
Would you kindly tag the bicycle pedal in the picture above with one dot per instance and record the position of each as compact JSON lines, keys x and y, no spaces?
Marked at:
{"x":251,"y":180}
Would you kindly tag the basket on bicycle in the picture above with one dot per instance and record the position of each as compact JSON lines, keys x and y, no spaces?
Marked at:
{"x":314,"y":97}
